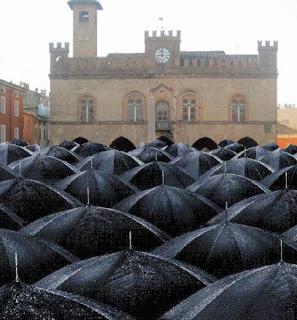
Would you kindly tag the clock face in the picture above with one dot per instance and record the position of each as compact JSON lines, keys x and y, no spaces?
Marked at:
{"x":162,"y":56}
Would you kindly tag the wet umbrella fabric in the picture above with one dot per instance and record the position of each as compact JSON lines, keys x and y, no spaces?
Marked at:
{"x":196,"y":163}
{"x":23,"y":302}
{"x":149,"y":154}
{"x":227,"y":248}
{"x":80,"y":140}
{"x":223,"y":154}
{"x":19,"y":142}
{"x":271,"y":146}
{"x":138,"y":283}
{"x":97,"y":188}
{"x":225,"y":143}
{"x":157,"y":144}
{"x":255,"y":153}
{"x":267,"y":293}
{"x":10,"y":152}
{"x":227,"y":188}
{"x":171,"y":209}
{"x":279,"y":159}
{"x":92,"y":231}
{"x":9,"y":220}
{"x":36,"y":258}
{"x":179,"y":149}
{"x":69,"y":145}
{"x":6,"y":173}
{"x":156,"y":173}
{"x":284,"y":178}
{"x":274,"y":211}
{"x":236,"y":147}
{"x":252,"y":169}
{"x":33,"y":148}
{"x":292,"y":149}
{"x":31,"y":200}
{"x":90,"y":148}
{"x":43,"y":168}
{"x":111,"y":162}
{"x":63,"y":154}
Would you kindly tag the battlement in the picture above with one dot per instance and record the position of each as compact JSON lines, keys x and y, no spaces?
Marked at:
{"x":163,"y":35}
{"x":59,"y":46}
{"x":267,"y":45}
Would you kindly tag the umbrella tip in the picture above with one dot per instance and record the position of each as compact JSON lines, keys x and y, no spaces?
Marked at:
{"x":17,"y":279}
{"x":226,"y":212}
{"x":281,"y":252}
{"x":286,"y":180}
{"x":130,"y":240}
{"x":163,"y":177}
{"x":88,"y":196}
{"x":225,"y":167}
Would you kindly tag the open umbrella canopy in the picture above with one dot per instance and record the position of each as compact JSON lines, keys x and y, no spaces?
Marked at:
{"x":157,"y":144}
{"x":279,"y":159}
{"x":227,"y":188}
{"x":252,"y":169}
{"x":111,"y":162}
{"x":89,"y":148}
{"x":196,"y":163}
{"x":179,"y":149}
{"x":43,"y":168}
{"x":148,"y":154}
{"x":33,"y":258}
{"x":9,"y":220}
{"x":6,"y":173}
{"x":97,"y":188}
{"x":255,"y":153}
{"x":267,"y":293}
{"x":80,"y":140}
{"x":156,"y":173}
{"x":31,"y":200}
{"x":141,"y":284}
{"x":19,"y":142}
{"x":21,"y":301}
{"x":171,"y":209}
{"x":69,"y":145}
{"x":223,"y":154}
{"x":274,"y":211}
{"x":227,"y":248}
{"x":292,"y":149}
{"x":284,"y":178}
{"x":225,"y":143}
{"x":92,"y":231}
{"x":271,"y":146}
{"x":63,"y":154}
{"x":33,"y":148}
{"x":236,"y":147}
{"x":10,"y":152}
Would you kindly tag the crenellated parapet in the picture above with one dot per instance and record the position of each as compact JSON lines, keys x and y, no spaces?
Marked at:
{"x":267,"y":45}
{"x":268,"y":54}
{"x":162,"y":35}
{"x":58,"y":51}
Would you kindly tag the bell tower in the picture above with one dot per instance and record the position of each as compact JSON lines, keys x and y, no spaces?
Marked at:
{"x":84,"y":27}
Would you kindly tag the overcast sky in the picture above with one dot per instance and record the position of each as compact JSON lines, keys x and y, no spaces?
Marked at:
{"x":27,"y":26}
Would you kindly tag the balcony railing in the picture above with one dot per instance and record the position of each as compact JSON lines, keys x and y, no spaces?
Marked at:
{"x":163,"y":125}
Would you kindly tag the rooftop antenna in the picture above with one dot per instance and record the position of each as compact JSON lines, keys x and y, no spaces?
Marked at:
{"x":130,"y":240}
{"x":17,"y":279}
{"x":88,"y":196}
{"x":161,"y":20}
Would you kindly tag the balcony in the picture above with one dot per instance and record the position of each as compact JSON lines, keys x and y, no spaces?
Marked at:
{"x":163,"y":125}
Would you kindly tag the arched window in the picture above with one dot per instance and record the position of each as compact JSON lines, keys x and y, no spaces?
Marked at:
{"x":135,"y":107}
{"x":238,"y":109}
{"x":189,"y":107}
{"x":87,"y":109}
{"x":162,"y":111}
{"x":83,"y":16}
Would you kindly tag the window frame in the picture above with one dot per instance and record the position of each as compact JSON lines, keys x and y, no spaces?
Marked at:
{"x":86,"y":109}
{"x":239,"y":109}
{"x":3,"y":136}
{"x":16,"y":108}
{"x":16,"y":129}
{"x":3,"y":104}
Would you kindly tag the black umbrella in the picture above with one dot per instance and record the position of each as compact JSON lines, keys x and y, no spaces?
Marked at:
{"x":139,"y":283}
{"x":149,"y":154}
{"x":33,"y":148}
{"x":284,"y":178}
{"x":252,"y":169}
{"x":171,"y":209}
{"x":22,"y":302}
{"x":97,"y":188}
{"x":271,"y":146}
{"x":80,"y":140}
{"x":236,"y":147}
{"x":255,"y":153}
{"x":35,"y":258}
{"x":9,"y":220}
{"x":223,"y":154}
{"x":69,"y":145}
{"x":43,"y":168}
{"x":196,"y":163}
{"x":6,"y":173}
{"x":279,"y":159}
{"x":227,"y":248}
{"x":90,"y":231}
{"x":292,"y":149}
{"x":19,"y":142}
{"x":63,"y":154}
{"x":179,"y":149}
{"x":274,"y":211}
{"x":156,"y":173}
{"x":90,"y":148}
{"x":10,"y":152}
{"x":31,"y":200}
{"x":111,"y":162}
{"x":157,"y":144}
{"x":227,"y":187}
{"x":225,"y":143}
{"x":267,"y":293}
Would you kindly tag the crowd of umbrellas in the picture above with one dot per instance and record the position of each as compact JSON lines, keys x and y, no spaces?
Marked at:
{"x":164,"y":231}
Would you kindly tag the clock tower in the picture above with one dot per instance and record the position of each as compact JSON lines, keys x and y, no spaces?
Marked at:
{"x":85,"y":27}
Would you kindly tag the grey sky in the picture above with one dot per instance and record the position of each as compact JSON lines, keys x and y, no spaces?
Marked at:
{"x":27,"y":26}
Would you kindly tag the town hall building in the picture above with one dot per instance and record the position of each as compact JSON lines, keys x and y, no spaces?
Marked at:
{"x":163,"y":91}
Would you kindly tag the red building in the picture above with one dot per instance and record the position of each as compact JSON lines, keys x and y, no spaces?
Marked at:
{"x":11,"y":111}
